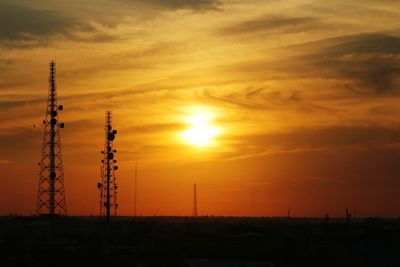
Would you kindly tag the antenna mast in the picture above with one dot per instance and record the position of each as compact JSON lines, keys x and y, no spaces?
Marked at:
{"x":253,"y":211}
{"x":51,"y":191}
{"x":108,"y":186}
{"x":194,"y":201}
{"x":135,"y":189}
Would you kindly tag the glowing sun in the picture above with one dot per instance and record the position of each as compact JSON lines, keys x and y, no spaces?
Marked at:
{"x":202,"y":131}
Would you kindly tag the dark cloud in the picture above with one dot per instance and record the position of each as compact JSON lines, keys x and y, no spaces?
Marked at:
{"x":24,"y":23}
{"x":273,"y":24}
{"x":365,"y":43}
{"x":23,"y":26}
{"x":373,"y":60}
{"x":182,"y":4}
{"x":368,"y":63}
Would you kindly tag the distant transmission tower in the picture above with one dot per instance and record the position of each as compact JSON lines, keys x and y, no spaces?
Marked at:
{"x":51,"y":192}
{"x":194,"y":201}
{"x":108,"y":185}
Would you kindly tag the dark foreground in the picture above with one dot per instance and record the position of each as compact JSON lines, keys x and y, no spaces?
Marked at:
{"x":203,"y":241}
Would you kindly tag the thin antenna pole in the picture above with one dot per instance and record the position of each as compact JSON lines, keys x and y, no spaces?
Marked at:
{"x":135,"y":189}
{"x":252,"y":204}
{"x":194,"y":201}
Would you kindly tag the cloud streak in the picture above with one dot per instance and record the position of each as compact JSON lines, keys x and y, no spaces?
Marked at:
{"x":198,"y":5}
{"x":325,"y":139}
{"x":272,"y":24}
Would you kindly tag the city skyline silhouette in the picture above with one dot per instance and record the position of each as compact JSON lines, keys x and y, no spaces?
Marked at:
{"x":295,"y":104}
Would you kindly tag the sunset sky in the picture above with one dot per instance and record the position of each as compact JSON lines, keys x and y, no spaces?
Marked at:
{"x":301,"y":100}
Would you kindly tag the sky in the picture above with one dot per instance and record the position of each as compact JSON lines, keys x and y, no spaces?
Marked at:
{"x":303,"y":96}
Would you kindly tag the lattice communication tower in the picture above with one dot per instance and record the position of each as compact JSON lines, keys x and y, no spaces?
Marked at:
{"x":108,"y":185}
{"x":51,"y":191}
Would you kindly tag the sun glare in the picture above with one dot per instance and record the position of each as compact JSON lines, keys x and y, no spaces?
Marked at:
{"x":202,"y":131}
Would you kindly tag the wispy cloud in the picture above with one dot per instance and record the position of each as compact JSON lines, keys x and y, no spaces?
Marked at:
{"x":181,"y":4}
{"x":263,"y":99}
{"x":273,"y":24}
{"x":327,"y":139}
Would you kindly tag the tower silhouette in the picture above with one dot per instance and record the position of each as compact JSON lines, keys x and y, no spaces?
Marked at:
{"x":108,"y":185}
{"x":51,"y":191}
{"x":194,"y":201}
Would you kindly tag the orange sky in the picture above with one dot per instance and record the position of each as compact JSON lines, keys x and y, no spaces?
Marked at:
{"x":305,"y":96}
